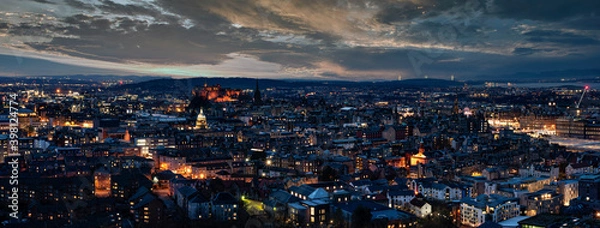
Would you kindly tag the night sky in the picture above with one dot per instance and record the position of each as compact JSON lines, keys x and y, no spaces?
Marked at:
{"x":298,"y":39}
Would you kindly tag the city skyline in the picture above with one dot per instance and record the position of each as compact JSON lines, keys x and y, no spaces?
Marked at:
{"x":323,"y":40}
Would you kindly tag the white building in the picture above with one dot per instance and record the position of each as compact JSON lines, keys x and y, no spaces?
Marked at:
{"x":475,"y":211}
{"x":439,"y":191}
{"x":569,"y":189}
{"x":580,"y":168}
{"x":420,"y":208}
{"x":398,"y":199}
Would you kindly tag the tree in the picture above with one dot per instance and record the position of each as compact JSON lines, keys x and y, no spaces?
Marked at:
{"x":390,"y":173}
{"x":361,"y":217}
{"x":217,"y":185}
{"x":338,"y":219}
{"x":328,"y":174}
{"x":441,"y":216}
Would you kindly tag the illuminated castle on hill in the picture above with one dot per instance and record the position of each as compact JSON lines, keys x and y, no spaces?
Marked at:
{"x":217,"y":94}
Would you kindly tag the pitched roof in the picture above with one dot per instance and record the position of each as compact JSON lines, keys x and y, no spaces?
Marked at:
{"x":489,"y":224}
{"x":302,"y":189}
{"x":224,"y":198}
{"x":198,"y":199}
{"x":145,"y":200}
{"x":139,"y":193}
{"x":319,"y":193}
{"x":187,"y":191}
{"x":417,"y":202}
{"x":580,"y":165}
{"x":402,"y":193}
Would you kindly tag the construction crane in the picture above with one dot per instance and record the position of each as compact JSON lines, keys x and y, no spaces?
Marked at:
{"x":585,"y":89}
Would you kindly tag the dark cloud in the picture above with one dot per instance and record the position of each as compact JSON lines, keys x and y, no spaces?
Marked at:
{"x":400,"y":12}
{"x":111,"y":7}
{"x":523,"y":51}
{"x":123,"y":39}
{"x":584,"y":22}
{"x":371,"y":59}
{"x":289,"y":58}
{"x":559,"y":37}
{"x":44,"y":1}
{"x":79,"y":5}
{"x":30,"y":29}
{"x":546,"y":10}
{"x":340,"y":39}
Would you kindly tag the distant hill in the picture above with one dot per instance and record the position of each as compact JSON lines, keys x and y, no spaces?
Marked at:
{"x":420,"y":83}
{"x":88,"y":79}
{"x":585,"y":75}
{"x":170,"y":84}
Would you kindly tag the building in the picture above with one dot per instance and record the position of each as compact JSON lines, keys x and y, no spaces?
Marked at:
{"x":149,"y":210}
{"x":183,"y":196}
{"x":201,"y":121}
{"x":397,"y":132}
{"x":198,"y":207}
{"x":589,"y":187}
{"x":214,"y":93}
{"x":419,"y":158}
{"x":102,"y":183}
{"x":420,"y":208}
{"x":224,"y":207}
{"x":277,"y":203}
{"x":495,"y":208}
{"x":578,"y":128}
{"x":580,"y":168}
{"x":542,"y":202}
{"x":439,"y":191}
{"x":547,"y":221}
{"x":257,"y":98}
{"x":317,"y":211}
{"x":399,"y":199}
{"x":494,"y":173}
{"x":297,"y":213}
{"x":394,"y":218}
{"x":569,"y":189}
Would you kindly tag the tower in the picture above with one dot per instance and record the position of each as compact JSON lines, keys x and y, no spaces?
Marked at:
{"x":127,"y":137}
{"x":420,"y":157}
{"x":257,"y":96}
{"x":455,"y":108}
{"x":201,"y":121}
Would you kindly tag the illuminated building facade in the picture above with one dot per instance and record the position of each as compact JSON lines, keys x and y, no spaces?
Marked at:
{"x":476,"y":211}
{"x":419,"y":158}
{"x":578,"y":128}
{"x":216,"y":93}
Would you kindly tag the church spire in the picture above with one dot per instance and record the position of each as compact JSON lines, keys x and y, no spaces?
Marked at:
{"x":455,"y":108}
{"x":257,"y":96}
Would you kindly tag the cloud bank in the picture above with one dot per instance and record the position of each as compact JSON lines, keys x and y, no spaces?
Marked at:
{"x":335,"y":39}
